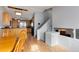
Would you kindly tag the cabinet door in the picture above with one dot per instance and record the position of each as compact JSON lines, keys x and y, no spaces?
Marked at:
{"x":48,"y":38}
{"x":15,"y":23}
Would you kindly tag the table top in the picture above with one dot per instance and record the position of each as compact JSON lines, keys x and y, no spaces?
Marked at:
{"x":7,"y":44}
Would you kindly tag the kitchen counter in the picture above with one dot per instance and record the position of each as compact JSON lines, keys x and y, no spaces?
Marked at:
{"x":51,"y":38}
{"x":71,"y":44}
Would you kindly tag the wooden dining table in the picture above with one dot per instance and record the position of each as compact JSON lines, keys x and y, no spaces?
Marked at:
{"x":7,"y":44}
{"x":9,"y":39}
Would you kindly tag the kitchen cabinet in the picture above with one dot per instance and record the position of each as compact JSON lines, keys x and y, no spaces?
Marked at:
{"x":51,"y":38}
{"x":6,"y":18}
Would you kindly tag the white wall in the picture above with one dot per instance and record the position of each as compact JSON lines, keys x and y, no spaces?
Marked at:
{"x":66,"y":16}
{"x":50,"y":17}
{"x":1,"y":12}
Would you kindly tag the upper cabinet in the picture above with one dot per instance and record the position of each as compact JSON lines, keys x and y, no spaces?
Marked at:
{"x":14,"y":23}
{"x":6,"y":18}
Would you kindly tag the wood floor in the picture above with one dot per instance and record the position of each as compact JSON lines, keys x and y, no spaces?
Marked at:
{"x":34,"y":45}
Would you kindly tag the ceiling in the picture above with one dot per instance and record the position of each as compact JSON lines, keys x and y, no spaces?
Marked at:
{"x":26,"y":15}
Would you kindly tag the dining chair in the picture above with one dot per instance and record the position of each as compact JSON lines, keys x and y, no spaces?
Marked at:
{"x":22,"y":37}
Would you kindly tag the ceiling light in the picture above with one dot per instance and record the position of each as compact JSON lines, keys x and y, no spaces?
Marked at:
{"x":18,"y":13}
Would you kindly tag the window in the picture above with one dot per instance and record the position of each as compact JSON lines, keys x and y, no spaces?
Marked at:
{"x":22,"y":24}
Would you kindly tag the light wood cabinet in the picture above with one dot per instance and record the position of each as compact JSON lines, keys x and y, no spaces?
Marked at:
{"x":6,"y":18}
{"x":14,"y":23}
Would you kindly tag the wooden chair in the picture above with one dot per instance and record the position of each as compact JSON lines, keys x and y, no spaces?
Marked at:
{"x":8,"y":33}
{"x":4,"y":33}
{"x":21,"y":40}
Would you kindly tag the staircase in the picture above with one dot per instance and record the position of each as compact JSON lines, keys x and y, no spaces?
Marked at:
{"x":45,"y":26}
{"x":42,"y":29}
{"x":43,"y":23}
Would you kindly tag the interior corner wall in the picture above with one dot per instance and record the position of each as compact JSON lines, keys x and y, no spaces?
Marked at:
{"x":65,"y":16}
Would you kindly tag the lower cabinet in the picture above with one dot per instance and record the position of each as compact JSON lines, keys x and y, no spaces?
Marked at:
{"x":51,"y":38}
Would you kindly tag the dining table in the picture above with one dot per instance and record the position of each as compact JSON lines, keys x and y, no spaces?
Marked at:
{"x":9,"y":39}
{"x":7,"y":44}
